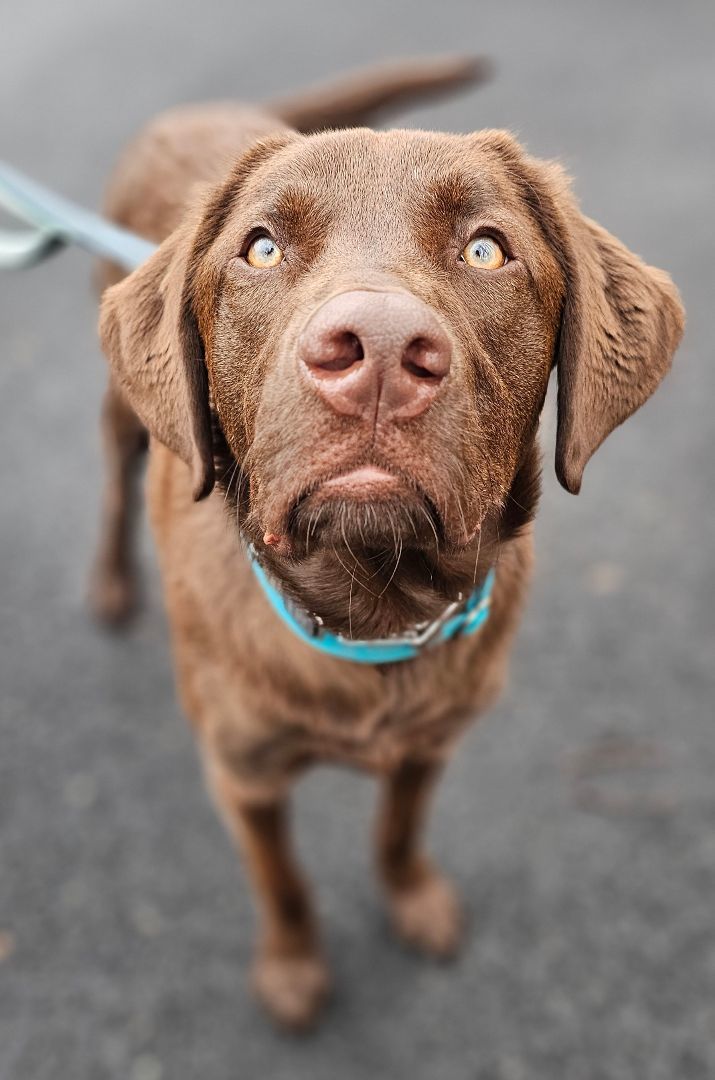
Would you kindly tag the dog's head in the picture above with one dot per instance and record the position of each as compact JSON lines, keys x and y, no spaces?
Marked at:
{"x":354,"y":337}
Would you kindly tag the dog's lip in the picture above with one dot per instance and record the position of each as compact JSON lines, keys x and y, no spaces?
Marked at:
{"x":358,"y":483}
{"x":365,"y":480}
{"x":369,"y":484}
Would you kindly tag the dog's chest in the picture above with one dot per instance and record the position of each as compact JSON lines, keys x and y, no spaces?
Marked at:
{"x":371,"y":722}
{"x":378,"y":737}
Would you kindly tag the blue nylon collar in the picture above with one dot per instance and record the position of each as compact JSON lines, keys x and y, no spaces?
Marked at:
{"x":459,"y":619}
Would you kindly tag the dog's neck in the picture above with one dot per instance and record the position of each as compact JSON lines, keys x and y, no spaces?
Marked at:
{"x":368,"y":594}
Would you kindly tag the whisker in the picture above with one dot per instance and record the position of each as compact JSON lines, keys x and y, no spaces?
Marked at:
{"x":479,"y":545}
{"x":348,"y":571}
{"x":397,"y":563}
{"x":517,"y":503}
{"x":430,"y":522}
{"x":345,"y":539}
{"x":317,"y":519}
{"x":309,"y":529}
{"x":230,"y":480}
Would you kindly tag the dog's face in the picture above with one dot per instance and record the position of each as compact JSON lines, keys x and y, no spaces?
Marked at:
{"x":375,"y":317}
{"x":378,"y":338}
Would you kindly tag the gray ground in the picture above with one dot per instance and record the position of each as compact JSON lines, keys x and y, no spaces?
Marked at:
{"x":579,"y":819}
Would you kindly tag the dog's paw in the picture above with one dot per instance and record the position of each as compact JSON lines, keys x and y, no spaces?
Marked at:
{"x":292,"y":988}
{"x":428,"y":916}
{"x":113,"y":596}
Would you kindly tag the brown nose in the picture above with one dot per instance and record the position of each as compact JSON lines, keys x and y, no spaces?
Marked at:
{"x":375,"y":354}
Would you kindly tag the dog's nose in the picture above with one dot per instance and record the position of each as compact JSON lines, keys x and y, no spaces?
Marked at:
{"x":375,"y":354}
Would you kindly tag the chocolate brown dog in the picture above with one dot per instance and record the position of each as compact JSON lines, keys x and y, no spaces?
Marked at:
{"x":340,"y":352}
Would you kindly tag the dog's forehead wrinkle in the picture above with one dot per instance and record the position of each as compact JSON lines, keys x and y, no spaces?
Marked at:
{"x":383,"y":190}
{"x":361,"y":162}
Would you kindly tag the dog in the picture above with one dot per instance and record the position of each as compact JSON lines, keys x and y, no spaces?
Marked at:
{"x":340,"y":351}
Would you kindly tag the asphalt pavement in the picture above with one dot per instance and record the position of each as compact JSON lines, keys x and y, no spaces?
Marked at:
{"x":578,"y":819}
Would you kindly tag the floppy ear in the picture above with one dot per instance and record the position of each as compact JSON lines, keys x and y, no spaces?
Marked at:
{"x":621,"y":323}
{"x":150,"y":332}
{"x":151,"y":338}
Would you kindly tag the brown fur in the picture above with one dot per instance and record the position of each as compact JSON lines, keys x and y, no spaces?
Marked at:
{"x":202,"y":351}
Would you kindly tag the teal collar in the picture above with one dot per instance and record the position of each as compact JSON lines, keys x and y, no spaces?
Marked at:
{"x":459,"y":619}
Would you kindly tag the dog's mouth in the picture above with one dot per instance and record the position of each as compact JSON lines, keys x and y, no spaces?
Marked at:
{"x":366,"y":509}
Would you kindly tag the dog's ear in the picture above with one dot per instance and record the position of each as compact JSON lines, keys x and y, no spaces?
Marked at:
{"x":621,"y":321}
{"x":149,"y":324}
{"x":151,"y":338}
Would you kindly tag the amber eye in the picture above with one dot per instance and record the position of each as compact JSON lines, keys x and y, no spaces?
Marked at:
{"x":264,"y":253}
{"x":484,"y":253}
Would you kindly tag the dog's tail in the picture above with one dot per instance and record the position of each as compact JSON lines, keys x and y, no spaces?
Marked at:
{"x":358,"y":98}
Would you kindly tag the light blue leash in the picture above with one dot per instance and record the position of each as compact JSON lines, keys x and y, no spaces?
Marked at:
{"x":58,"y":222}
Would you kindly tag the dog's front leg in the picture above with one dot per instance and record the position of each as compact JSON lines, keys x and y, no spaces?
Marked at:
{"x":289,"y":975}
{"x":113,"y":587}
{"x":423,"y":904}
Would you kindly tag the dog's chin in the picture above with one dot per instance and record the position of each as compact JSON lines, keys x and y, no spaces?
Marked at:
{"x":367,"y":510}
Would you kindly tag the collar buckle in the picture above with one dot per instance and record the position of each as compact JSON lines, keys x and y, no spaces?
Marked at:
{"x":427,"y":634}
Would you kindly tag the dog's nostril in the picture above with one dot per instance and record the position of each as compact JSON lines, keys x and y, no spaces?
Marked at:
{"x":424,"y":360}
{"x":340,"y":352}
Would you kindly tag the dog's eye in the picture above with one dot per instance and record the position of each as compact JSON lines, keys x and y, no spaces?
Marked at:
{"x":264,"y":253}
{"x":484,"y":253}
